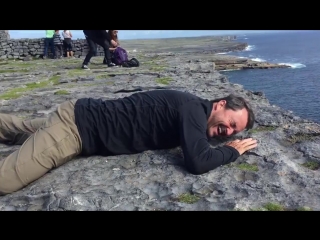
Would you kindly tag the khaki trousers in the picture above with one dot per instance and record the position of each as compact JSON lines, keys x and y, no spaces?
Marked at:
{"x":46,"y":144}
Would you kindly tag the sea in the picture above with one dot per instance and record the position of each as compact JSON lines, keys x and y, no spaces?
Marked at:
{"x":296,"y":89}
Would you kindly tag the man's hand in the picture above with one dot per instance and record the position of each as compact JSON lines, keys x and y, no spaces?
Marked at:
{"x":243,"y":145}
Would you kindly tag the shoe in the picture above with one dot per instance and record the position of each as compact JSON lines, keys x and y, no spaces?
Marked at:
{"x":111,"y":65}
{"x":85,"y":67}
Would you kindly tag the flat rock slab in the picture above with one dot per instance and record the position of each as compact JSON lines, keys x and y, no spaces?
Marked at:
{"x":282,"y":173}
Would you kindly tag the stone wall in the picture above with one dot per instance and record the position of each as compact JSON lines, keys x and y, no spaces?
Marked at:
{"x":4,"y":34}
{"x":21,"y":48}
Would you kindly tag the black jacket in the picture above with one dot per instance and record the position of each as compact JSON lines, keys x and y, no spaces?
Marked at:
{"x":97,"y":34}
{"x":151,"y":120}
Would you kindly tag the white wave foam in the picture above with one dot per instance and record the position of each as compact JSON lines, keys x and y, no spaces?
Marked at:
{"x":258,"y":60}
{"x":223,"y":53}
{"x":294,"y":65}
{"x":249,"y":48}
{"x":229,"y":70}
{"x":245,"y":38}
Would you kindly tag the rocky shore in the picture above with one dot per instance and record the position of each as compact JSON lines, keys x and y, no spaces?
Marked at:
{"x":225,"y":63}
{"x":281,"y":174}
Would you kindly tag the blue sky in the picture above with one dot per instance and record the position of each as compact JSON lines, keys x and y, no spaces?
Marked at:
{"x":141,"y":34}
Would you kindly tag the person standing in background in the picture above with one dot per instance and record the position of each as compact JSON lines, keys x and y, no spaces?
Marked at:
{"x":48,"y":41}
{"x":67,"y":42}
{"x":57,"y":44}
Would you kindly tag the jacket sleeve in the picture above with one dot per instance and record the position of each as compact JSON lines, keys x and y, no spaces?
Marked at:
{"x":199,"y":156}
{"x":105,"y":34}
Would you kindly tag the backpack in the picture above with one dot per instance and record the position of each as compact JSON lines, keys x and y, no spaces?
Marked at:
{"x":133,"y":62}
{"x":120,"y":56}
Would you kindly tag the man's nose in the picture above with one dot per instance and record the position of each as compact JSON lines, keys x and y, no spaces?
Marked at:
{"x":230,"y":131}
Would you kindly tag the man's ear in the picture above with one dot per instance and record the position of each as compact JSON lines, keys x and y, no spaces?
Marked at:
{"x":221,"y":104}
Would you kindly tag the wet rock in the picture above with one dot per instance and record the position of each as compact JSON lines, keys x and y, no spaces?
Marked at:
{"x":86,"y":79}
{"x":64,"y":80}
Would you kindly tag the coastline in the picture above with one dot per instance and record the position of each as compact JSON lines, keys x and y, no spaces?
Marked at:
{"x":215,"y":48}
{"x":225,"y":61}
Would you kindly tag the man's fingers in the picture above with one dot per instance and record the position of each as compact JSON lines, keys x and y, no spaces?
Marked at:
{"x":246,"y":144}
{"x":243,"y":145}
{"x":248,"y":141}
{"x":251,"y":146}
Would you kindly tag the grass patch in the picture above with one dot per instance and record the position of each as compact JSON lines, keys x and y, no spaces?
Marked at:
{"x":103,"y":76}
{"x":140,"y":57}
{"x":12,"y":94}
{"x":275,"y":207}
{"x":154,"y":65}
{"x":61,"y":92}
{"x":17,"y":92}
{"x":54,"y":80}
{"x":35,"y":85}
{"x":248,"y":167}
{"x":188,"y":198}
{"x":154,"y":58}
{"x":13,"y":70}
{"x":23,"y":64}
{"x":304,"y":209}
{"x":311,"y":165}
{"x":77,"y":72}
{"x":95,"y":84}
{"x":300,"y":137}
{"x":262,"y":129}
{"x":157,"y":68}
{"x":164,"y":80}
{"x":270,"y":207}
{"x":230,"y":165}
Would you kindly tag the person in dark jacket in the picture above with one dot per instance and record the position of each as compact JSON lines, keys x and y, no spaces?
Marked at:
{"x":151,"y":120}
{"x":102,"y":38}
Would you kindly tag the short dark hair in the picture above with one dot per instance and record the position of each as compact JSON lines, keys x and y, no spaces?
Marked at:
{"x":237,"y":103}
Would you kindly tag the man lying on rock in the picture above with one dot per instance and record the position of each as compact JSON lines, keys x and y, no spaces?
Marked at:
{"x":151,"y":120}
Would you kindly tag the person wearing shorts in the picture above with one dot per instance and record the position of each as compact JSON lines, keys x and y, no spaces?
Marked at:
{"x":67,"y":42}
